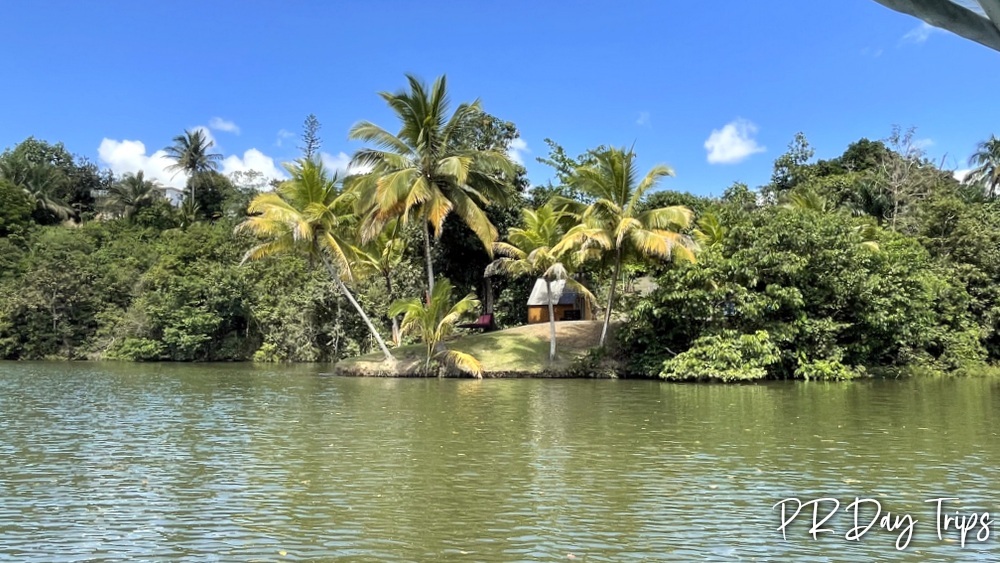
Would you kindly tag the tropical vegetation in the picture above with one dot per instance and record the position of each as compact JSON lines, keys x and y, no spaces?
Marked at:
{"x":873,"y":262}
{"x":538,"y":250}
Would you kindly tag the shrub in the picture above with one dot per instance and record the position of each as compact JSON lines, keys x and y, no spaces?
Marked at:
{"x":725,"y":357}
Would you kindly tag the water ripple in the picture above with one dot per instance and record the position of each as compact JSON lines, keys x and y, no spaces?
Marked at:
{"x":238,"y":463}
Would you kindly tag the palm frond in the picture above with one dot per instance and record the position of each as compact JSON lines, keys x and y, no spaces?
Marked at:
{"x":462,"y":361}
{"x":370,"y":133}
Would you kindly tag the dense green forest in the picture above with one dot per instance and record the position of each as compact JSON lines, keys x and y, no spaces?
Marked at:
{"x":873,"y":262}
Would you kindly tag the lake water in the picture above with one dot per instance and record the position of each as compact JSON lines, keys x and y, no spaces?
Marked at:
{"x":243,"y":463}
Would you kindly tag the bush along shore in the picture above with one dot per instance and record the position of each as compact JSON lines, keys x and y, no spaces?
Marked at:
{"x":875,"y":262}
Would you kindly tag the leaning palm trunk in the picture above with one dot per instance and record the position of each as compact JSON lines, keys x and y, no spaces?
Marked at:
{"x":611,"y":297}
{"x":396,"y":336}
{"x":552,"y":323}
{"x":357,"y":307}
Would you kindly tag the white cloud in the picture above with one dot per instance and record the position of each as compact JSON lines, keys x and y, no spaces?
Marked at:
{"x":341,"y":164}
{"x":920,"y":33}
{"x":871,"y":52}
{"x":923,"y":144}
{"x":220,"y":124}
{"x":335,"y":163}
{"x":517,"y":149}
{"x":732,"y":143}
{"x":282,"y":135}
{"x":130,"y":156}
{"x":252,"y":159}
{"x":961,"y":175}
{"x":643,"y":119}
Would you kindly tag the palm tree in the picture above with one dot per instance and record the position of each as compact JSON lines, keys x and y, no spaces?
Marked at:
{"x":434,"y":320}
{"x":535,"y":250}
{"x":423,"y":169}
{"x":871,"y":199}
{"x":986,"y":160}
{"x":614,"y":225}
{"x":308,"y":214}
{"x":189,"y":212}
{"x":190,"y":155}
{"x":710,"y":232}
{"x":40,"y":184}
{"x":381,"y":256}
{"x":806,"y":199}
{"x":132,"y":193}
{"x":39,"y":181}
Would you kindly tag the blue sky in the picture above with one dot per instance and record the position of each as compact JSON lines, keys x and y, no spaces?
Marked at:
{"x":115,"y":81}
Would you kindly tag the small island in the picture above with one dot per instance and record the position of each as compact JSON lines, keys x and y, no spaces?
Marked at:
{"x":876,"y":262}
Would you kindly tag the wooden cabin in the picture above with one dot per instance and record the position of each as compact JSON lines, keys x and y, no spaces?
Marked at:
{"x":568,"y":304}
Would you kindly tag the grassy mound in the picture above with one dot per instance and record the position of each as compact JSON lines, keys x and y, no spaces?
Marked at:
{"x":515,"y":352}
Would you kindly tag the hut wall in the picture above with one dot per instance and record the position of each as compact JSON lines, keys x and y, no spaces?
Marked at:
{"x":540,"y":313}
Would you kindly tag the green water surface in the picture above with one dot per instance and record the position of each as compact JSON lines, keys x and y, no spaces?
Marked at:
{"x":242,"y":463}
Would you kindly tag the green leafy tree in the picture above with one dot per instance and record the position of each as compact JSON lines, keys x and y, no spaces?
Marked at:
{"x":791,"y":169}
{"x":308,"y":214}
{"x":78,"y":179}
{"x":986,"y":162}
{"x":15,"y":208}
{"x":614,"y":225}
{"x":213,"y":191}
{"x":423,"y":170}
{"x":806,"y":279}
{"x":535,"y":251}
{"x":434,"y":320}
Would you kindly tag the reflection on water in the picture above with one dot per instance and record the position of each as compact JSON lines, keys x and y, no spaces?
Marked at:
{"x":240,"y":463}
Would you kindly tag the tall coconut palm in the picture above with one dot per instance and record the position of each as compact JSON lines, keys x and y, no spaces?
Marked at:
{"x":131,"y":194}
{"x":614,"y":225}
{"x":190,"y":155}
{"x":986,"y":161}
{"x":534,"y":250}
{"x":424,"y":171}
{"x":309,"y":215}
{"x":434,"y":320}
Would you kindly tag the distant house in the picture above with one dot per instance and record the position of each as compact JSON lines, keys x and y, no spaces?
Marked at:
{"x":568,"y":304}
{"x":173,"y":195}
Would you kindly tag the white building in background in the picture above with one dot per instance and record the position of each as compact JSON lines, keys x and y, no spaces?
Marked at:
{"x":174,"y":195}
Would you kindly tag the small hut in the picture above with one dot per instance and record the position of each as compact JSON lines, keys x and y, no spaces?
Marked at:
{"x":568,"y":303}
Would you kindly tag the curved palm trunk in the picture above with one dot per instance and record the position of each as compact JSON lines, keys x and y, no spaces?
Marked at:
{"x":364,"y":317}
{"x":427,"y":256}
{"x":552,"y":323}
{"x":611,"y":297}
{"x":396,"y":336}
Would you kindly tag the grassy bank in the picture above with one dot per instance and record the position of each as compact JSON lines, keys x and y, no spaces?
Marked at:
{"x":516,"y":352}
